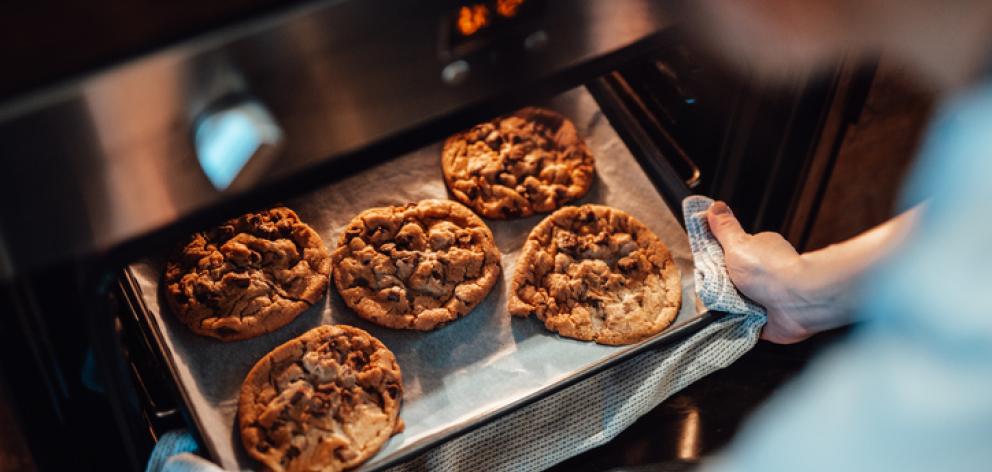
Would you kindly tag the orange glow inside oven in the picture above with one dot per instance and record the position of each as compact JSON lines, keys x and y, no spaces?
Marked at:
{"x":472,"y":18}
{"x":508,"y":8}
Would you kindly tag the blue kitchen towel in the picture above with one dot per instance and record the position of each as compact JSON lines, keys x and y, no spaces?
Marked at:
{"x":188,"y":462}
{"x":176,"y":452}
{"x":174,"y":442}
{"x":712,"y":279}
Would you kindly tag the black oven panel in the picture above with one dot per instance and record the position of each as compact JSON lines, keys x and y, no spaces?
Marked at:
{"x":486,"y":30}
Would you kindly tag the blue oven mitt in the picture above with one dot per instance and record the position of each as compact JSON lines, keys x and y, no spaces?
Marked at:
{"x":175,"y":452}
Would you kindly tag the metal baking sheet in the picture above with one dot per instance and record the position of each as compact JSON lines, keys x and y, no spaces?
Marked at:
{"x":455,"y":377}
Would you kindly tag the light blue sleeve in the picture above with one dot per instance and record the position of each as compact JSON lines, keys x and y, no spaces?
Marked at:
{"x":912,"y":388}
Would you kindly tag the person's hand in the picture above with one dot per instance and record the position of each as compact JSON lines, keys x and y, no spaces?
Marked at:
{"x":767,"y":269}
{"x":803,"y":293}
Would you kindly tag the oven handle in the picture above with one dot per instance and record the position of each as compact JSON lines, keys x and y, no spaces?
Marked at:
{"x":687,"y":169}
{"x":125,"y":289}
{"x":672,"y":186}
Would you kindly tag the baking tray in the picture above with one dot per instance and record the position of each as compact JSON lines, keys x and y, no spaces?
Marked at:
{"x":457,"y":377}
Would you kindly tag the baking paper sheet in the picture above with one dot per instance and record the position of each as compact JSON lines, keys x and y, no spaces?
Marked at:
{"x":453,"y":376}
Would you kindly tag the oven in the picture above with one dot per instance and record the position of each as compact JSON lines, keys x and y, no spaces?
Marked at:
{"x":110,"y":166}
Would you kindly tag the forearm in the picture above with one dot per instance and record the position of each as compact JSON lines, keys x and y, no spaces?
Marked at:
{"x":828,"y":275}
{"x":808,"y":293}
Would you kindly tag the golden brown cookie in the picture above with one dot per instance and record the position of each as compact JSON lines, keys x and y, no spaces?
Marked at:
{"x":530,"y":161}
{"x":251,"y":275}
{"x":327,"y":400}
{"x":415,"y":266}
{"x":595,"y":273}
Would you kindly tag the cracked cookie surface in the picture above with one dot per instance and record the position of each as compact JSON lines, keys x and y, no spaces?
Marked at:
{"x":327,"y":400}
{"x":530,"y":161}
{"x":249,"y":276}
{"x":596,"y":273}
{"x":415,"y":266}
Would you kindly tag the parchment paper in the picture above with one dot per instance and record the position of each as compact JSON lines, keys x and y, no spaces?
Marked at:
{"x":455,"y":375}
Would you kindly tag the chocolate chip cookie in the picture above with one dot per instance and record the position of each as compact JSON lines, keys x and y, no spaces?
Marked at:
{"x":251,"y":275}
{"x":415,"y":266}
{"x":530,"y":161}
{"x":595,"y":273}
{"x":327,"y":400}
